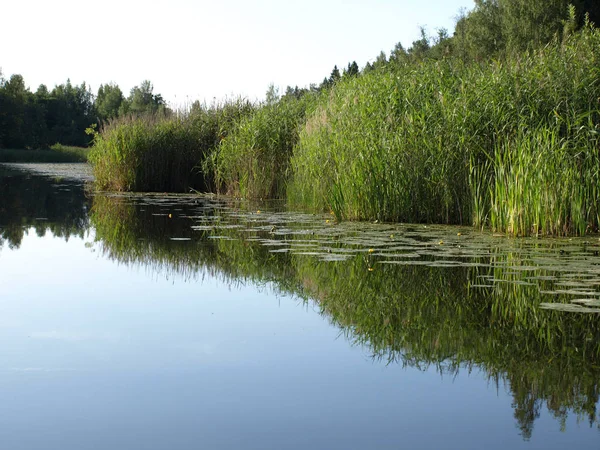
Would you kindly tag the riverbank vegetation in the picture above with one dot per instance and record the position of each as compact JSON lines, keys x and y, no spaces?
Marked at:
{"x":511,"y":144}
{"x":40,"y":119}
{"x":254,"y":160}
{"x":494,"y":126}
{"x":162,"y":153}
{"x":56,"y":153}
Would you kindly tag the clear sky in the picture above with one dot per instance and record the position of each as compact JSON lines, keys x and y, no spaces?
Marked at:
{"x":204,"y":49}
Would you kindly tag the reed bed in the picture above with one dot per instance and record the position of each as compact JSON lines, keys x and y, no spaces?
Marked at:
{"x":512,"y":145}
{"x":158,"y":153}
{"x":253,"y":162}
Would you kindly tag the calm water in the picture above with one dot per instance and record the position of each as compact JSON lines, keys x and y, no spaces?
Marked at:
{"x":179,"y":322}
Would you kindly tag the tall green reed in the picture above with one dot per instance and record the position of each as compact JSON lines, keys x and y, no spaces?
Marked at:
{"x":162,"y":153}
{"x":441,"y":141}
{"x":254,"y":159}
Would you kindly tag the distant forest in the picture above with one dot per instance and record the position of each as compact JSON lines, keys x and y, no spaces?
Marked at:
{"x":493,"y":29}
{"x":42,"y":118}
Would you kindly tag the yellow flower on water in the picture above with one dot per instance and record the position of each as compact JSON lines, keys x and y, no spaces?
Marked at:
{"x":169,"y":216}
{"x":258,"y":212}
{"x":327,"y":221}
{"x":441,"y":242}
{"x":459,"y":234}
{"x":371,"y":250}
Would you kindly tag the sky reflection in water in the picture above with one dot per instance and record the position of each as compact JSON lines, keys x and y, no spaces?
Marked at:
{"x":106,"y":351}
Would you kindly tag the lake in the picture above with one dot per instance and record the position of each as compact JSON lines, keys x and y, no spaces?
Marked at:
{"x":184,"y":322}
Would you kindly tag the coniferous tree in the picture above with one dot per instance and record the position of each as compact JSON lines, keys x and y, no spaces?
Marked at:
{"x":352,"y":70}
{"x":398,"y":55}
{"x":335,"y":75}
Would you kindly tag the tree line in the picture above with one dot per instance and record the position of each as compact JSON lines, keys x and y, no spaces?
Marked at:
{"x":493,"y":29}
{"x":42,"y":118}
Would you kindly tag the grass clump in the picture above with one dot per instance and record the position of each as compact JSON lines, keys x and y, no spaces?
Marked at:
{"x":546,"y":184}
{"x":162,"y":153}
{"x":254,"y":160}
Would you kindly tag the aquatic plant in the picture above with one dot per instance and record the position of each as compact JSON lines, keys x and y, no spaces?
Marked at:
{"x":162,"y":153}
{"x":404,"y":297}
{"x":254,"y":159}
{"x":442,"y":141}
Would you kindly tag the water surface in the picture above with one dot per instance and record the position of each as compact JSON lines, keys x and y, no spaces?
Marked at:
{"x":169,"y":321}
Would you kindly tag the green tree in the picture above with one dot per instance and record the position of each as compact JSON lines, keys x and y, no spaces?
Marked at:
{"x":36,"y":118}
{"x":380,"y":61}
{"x":530,"y":23}
{"x":295,"y":92}
{"x":3,"y":110}
{"x":335,"y":75}
{"x":70,"y":111}
{"x":142,"y":100}
{"x":420,"y":48}
{"x":478,"y":35}
{"x":272,"y":95}
{"x":497,"y":27}
{"x":442,"y":45}
{"x":398,"y":55}
{"x":108,"y":101}
{"x":352,"y":70}
{"x":15,"y":97}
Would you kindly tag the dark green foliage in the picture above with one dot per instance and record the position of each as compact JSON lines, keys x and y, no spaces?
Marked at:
{"x":332,"y":79}
{"x":352,"y":70}
{"x":368,"y":67}
{"x":380,"y":62}
{"x":398,"y":57}
{"x":108,"y":101}
{"x":56,"y":153}
{"x":420,"y":48}
{"x":69,"y":111}
{"x":42,"y":204}
{"x":143,"y":101}
{"x":296,"y":92}
{"x":40,"y":119}
{"x":496,"y":28}
{"x":335,"y":75}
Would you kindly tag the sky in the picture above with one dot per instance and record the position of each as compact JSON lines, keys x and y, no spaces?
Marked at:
{"x":205,"y":50}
